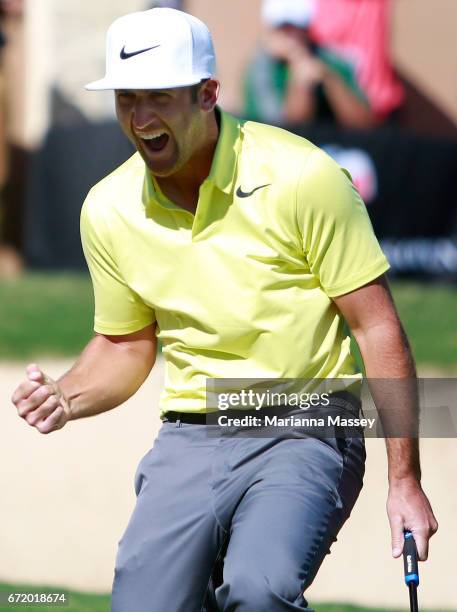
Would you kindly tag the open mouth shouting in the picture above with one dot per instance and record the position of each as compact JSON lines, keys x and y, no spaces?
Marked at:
{"x":155,"y":141}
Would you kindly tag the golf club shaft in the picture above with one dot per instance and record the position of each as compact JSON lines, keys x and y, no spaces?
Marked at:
{"x":413,"y":597}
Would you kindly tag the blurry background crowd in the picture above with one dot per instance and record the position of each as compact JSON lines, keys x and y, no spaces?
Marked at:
{"x":371,"y":81}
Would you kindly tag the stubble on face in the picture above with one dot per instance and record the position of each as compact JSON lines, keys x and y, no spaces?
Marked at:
{"x":144,"y":114}
{"x":189,"y":138}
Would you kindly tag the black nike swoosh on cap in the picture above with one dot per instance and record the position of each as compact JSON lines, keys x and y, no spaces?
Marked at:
{"x":246,"y":194}
{"x":124,"y":55}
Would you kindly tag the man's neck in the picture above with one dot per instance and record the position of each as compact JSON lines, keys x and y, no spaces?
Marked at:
{"x":183,"y":187}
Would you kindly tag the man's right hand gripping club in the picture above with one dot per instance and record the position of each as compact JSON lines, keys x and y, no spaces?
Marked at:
{"x":40,"y":401}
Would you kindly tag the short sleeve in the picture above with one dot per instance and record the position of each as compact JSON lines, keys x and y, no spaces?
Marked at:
{"x":118,"y":309}
{"x":338,"y":238}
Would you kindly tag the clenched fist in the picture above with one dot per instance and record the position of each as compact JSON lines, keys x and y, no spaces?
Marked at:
{"x":40,"y":401}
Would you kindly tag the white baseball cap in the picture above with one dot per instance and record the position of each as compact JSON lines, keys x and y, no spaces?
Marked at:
{"x":157,"y":49}
{"x":296,"y":12}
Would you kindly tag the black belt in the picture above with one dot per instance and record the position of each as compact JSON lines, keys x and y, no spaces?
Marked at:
{"x":195,"y":418}
{"x":200,"y":418}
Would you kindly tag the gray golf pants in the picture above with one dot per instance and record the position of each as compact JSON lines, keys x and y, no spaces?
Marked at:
{"x":233,"y":524}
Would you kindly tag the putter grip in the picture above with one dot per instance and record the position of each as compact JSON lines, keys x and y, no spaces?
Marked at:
{"x":410,"y":560}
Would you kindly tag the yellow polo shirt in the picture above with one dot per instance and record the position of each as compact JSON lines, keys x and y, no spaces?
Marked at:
{"x":243,"y":288}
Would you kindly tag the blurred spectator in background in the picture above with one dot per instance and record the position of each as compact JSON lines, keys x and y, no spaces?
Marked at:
{"x":308,"y":71}
{"x":290,"y":80}
{"x":358,"y":32}
{"x":10,"y":259}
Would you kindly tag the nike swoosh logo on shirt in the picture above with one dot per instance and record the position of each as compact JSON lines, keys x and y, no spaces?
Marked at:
{"x":246,"y":194}
{"x":125,"y":55}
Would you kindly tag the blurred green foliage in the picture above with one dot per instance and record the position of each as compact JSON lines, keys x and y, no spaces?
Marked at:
{"x":51,"y":315}
{"x":429,"y":315}
{"x":82,"y":602}
{"x":45,"y":315}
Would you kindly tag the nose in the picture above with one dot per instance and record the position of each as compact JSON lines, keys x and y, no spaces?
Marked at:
{"x":143,"y":115}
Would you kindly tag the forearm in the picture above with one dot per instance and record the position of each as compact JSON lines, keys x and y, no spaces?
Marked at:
{"x":105,"y":375}
{"x":349,"y":109}
{"x":299,"y":103}
{"x":392,"y":379}
{"x":371,"y":315}
{"x":386,"y":351}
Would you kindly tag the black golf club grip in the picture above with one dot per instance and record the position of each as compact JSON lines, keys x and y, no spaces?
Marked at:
{"x":410,"y":560}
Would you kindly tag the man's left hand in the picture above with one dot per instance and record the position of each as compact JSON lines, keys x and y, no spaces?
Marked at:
{"x":408,"y":508}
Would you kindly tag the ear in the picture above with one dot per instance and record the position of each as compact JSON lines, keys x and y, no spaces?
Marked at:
{"x":209,"y":94}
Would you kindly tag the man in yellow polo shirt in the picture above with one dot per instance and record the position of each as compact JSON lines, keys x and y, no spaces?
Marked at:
{"x":243,"y":248}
